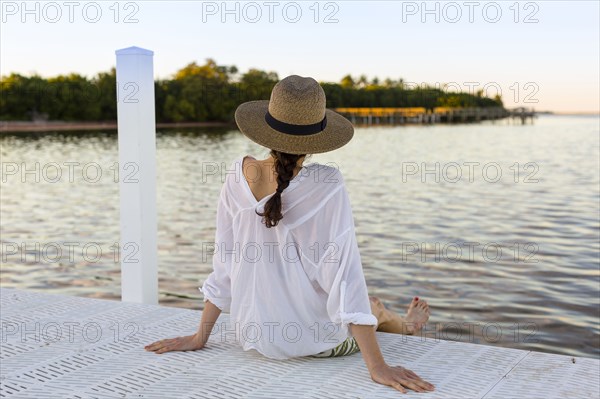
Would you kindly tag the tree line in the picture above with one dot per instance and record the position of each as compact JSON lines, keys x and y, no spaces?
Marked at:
{"x":208,"y":92}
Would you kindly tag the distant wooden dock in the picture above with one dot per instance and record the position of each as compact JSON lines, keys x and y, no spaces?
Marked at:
{"x":58,"y":346}
{"x":399,"y":116}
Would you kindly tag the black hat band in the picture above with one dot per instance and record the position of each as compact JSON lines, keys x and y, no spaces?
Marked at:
{"x":297,"y":130}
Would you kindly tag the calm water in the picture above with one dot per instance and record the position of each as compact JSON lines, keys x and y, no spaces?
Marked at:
{"x":496,"y":225}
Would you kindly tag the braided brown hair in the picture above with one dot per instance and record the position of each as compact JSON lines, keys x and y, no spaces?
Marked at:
{"x":284,"y":168}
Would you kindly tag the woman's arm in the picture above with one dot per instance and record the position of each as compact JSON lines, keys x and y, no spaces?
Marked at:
{"x":210,"y":314}
{"x":397,"y":377}
{"x":216,"y":288}
{"x":367,"y":342}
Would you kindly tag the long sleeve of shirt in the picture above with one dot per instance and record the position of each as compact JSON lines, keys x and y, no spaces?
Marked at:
{"x":217,"y":287}
{"x":340,"y":272}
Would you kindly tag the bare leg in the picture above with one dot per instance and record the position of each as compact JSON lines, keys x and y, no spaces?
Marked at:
{"x":388,"y":321}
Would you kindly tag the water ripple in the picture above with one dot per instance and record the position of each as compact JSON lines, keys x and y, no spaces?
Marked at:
{"x":531,"y":269}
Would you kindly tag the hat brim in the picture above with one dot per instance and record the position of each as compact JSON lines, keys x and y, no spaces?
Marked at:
{"x":250,"y":119}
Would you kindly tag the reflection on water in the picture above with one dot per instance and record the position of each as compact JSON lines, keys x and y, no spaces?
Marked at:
{"x":496,"y":225}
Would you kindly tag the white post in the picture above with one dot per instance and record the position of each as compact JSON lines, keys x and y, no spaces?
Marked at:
{"x":137,"y":175}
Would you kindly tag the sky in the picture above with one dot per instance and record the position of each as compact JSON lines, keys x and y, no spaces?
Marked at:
{"x":540,"y":54}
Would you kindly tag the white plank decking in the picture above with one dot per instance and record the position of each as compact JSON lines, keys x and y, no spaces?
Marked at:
{"x":109,"y":366}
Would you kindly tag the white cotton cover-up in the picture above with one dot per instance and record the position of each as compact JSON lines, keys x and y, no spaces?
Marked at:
{"x":291,"y":290}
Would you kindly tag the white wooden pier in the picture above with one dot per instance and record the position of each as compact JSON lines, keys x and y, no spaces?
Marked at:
{"x":42,"y":357}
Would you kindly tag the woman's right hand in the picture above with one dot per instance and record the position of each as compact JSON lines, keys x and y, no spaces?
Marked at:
{"x":399,"y":378}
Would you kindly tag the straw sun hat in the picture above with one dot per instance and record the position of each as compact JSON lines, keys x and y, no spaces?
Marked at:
{"x":294,"y":120}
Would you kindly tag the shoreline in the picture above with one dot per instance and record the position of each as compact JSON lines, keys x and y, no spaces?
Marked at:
{"x":63,"y":126}
{"x":29,"y":126}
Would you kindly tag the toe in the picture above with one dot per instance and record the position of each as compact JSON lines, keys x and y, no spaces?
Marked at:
{"x":377,"y":302}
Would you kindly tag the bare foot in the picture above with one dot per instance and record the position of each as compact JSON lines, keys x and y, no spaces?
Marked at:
{"x":389,"y":321}
{"x":417,"y":315}
{"x":380,"y":311}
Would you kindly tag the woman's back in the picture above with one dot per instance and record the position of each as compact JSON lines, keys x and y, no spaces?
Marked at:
{"x":285,"y":286}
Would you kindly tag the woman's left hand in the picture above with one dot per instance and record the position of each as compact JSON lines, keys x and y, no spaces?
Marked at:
{"x":187,"y":343}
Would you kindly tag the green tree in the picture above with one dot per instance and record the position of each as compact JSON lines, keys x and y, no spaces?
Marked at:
{"x":207,"y":92}
{"x":347,"y":82}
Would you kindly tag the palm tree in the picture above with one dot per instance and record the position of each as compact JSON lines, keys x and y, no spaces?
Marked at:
{"x":362,"y":81}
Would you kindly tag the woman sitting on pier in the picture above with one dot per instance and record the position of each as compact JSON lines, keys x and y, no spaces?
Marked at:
{"x":286,"y":259}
